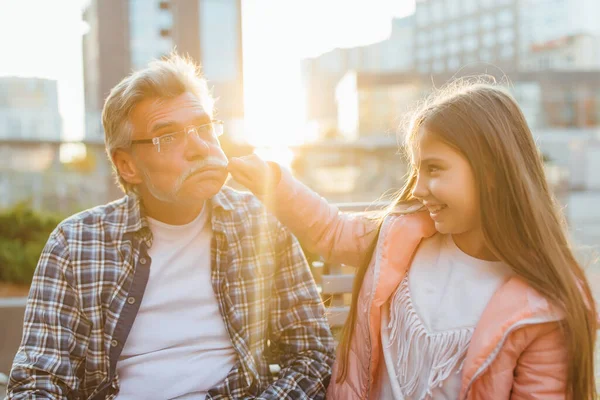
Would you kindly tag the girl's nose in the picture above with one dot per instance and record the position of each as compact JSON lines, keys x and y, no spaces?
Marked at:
{"x":420,"y":190}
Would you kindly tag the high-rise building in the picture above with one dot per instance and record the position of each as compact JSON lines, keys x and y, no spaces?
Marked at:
{"x":29,"y":109}
{"x":559,"y":35}
{"x":126,"y":35}
{"x":506,"y":35}
{"x":210,"y":31}
{"x":454,"y":34}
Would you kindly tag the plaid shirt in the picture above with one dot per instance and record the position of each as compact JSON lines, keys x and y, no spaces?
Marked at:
{"x":91,"y":278}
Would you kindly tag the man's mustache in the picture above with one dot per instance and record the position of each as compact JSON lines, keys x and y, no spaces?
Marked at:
{"x":210,"y":161}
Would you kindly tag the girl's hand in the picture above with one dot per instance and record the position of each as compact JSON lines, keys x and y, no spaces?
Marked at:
{"x":255,"y":173}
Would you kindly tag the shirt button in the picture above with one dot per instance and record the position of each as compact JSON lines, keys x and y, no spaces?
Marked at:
{"x":114,"y":343}
{"x":131,"y":300}
{"x":142,"y":261}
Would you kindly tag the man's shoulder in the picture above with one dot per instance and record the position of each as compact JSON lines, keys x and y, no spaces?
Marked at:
{"x":113,"y":214}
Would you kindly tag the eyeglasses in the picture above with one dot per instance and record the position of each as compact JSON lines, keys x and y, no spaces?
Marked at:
{"x":180,"y":139}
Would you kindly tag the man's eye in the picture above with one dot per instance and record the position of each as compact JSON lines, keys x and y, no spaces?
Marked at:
{"x":204,"y":130}
{"x":167,"y":139}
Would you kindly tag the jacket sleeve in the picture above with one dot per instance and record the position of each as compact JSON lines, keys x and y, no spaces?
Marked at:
{"x":298,"y":328}
{"x":339,"y":237}
{"x":54,"y":331}
{"x":541,"y":371}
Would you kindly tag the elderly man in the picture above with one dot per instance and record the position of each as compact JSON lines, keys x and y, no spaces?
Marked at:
{"x":181,"y":288}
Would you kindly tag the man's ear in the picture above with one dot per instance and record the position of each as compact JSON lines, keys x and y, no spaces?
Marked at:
{"x":126,"y":167}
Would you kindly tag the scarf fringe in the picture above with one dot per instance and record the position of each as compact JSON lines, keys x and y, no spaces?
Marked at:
{"x":423,"y":355}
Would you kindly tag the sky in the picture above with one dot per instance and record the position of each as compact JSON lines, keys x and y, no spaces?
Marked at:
{"x":43,"y":38}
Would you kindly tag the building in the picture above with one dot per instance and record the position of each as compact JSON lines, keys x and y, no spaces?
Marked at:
{"x":373,"y":104}
{"x":508,"y":35}
{"x":454,"y":34}
{"x":559,"y":34}
{"x":29,"y":109}
{"x":568,"y":53}
{"x":126,"y":35}
{"x":210,"y":31}
{"x":322,"y":74}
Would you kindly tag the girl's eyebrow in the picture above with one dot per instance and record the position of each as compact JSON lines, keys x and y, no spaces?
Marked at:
{"x":432,"y":160}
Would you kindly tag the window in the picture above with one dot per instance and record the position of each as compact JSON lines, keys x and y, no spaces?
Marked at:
{"x":220,"y":58}
{"x":506,"y":35}
{"x":469,"y":6}
{"x":452,"y":30}
{"x":489,"y":39}
{"x":453,"y":63}
{"x":505,"y":17}
{"x":470,"y":59}
{"x":470,"y":43}
{"x":438,"y":35}
{"x":422,"y":14}
{"x":423,"y":67}
{"x":437,"y":13}
{"x":487,"y":22}
{"x":507,"y":51}
{"x":438,"y":66}
{"x":486,"y":55}
{"x":453,"y":46}
{"x":469,"y":26}
{"x":423,"y":53}
{"x":453,"y":8}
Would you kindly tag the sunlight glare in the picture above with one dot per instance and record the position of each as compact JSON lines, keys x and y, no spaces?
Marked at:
{"x":282,"y":155}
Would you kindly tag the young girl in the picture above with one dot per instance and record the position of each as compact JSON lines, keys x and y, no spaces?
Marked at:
{"x":467,"y":288}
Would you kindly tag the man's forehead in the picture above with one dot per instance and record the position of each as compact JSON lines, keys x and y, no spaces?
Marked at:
{"x":182,"y":109}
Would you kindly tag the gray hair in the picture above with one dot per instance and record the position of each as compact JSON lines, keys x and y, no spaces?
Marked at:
{"x":166,"y":78}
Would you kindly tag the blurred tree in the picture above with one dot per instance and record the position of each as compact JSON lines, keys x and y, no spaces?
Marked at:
{"x":23,"y":235}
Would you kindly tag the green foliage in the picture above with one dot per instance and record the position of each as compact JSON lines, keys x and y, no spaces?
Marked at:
{"x":23,"y":235}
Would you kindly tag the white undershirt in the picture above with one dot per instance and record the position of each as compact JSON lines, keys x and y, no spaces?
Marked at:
{"x":428,"y":323}
{"x":178,"y":347}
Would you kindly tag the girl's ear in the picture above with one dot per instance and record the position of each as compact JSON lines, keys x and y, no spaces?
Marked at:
{"x":125,"y":164}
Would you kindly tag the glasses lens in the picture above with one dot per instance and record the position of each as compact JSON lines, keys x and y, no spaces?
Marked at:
{"x":217,"y":128}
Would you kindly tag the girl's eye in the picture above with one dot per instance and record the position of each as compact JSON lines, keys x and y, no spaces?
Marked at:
{"x":432,"y":169}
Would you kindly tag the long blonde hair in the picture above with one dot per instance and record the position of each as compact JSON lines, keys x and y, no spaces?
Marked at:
{"x":522,"y":224}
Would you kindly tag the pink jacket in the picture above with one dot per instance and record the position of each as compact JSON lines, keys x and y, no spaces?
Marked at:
{"x":517,"y":351}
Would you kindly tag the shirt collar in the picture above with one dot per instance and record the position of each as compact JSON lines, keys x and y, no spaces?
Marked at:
{"x":221,"y":200}
{"x":135,"y":218}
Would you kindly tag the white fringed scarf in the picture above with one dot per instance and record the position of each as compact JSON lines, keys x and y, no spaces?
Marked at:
{"x":424,"y":359}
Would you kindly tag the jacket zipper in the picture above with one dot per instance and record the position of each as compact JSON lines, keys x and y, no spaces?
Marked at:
{"x":494,"y":354}
{"x":375,"y":281}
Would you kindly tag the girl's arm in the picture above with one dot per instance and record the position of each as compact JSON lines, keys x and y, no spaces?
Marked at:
{"x":541,"y":371}
{"x":321,"y":227}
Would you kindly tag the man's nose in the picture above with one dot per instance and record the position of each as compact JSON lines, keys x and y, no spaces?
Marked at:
{"x":196,"y":147}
